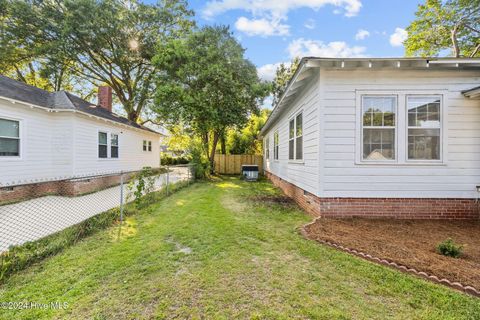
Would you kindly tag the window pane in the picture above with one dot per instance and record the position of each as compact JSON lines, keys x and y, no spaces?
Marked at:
{"x":9,"y":147}
{"x":299,"y":124}
{"x":9,"y":128}
{"x":275,"y":138}
{"x":114,"y":152}
{"x":102,"y":151}
{"x":292,"y":129}
{"x":102,"y":138}
{"x":378,"y":144}
{"x":291,"y":151}
{"x":424,"y":112}
{"x":299,"y":146}
{"x":114,"y":139}
{"x":149,"y":145}
{"x":379,"y":111}
{"x":424,"y":144}
{"x":276,"y":152}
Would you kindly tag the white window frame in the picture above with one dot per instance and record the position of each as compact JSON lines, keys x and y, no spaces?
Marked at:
{"x":362,"y":127}
{"x":276,"y":147}
{"x":109,"y":144}
{"x":294,"y":118}
{"x":149,"y":146}
{"x":402,"y":128}
{"x":442,"y":115}
{"x":20,"y":139}
{"x":145,"y":146}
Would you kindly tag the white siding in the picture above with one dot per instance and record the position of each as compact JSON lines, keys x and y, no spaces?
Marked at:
{"x":304,"y":174}
{"x":56,"y":145}
{"x":46,"y":145}
{"x":131,"y":154}
{"x":343,"y":176}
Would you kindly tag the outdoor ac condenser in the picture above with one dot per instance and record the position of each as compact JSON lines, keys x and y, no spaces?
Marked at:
{"x":250,"y":172}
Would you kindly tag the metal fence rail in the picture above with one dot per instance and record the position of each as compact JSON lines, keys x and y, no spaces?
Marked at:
{"x":29,"y":212}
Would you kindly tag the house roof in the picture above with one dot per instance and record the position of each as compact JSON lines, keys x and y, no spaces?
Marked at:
{"x":58,"y":101}
{"x":306,"y":71}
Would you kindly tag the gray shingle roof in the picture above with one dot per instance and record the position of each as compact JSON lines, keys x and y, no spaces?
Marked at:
{"x":59,"y":100}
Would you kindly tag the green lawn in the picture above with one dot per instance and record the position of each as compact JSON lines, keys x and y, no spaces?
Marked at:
{"x":210,"y":251}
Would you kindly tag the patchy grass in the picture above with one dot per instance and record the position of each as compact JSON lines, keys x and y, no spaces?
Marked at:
{"x":209,"y":251}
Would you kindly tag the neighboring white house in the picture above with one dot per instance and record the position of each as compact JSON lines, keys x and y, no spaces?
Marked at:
{"x":379,"y":137}
{"x":47,"y":136}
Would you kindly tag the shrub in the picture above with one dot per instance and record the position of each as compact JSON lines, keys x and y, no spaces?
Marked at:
{"x":201,"y":165}
{"x":167,"y":160}
{"x":449,"y":248}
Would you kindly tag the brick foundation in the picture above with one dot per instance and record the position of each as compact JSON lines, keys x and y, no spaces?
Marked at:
{"x":70,"y":188}
{"x":399,"y":208}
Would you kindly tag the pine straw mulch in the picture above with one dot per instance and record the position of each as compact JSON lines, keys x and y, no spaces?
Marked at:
{"x":409,"y":242}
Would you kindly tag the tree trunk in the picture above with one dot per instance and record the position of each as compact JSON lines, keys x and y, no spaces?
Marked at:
{"x":216,"y":136}
{"x":456,"y":50}
{"x":223,"y":142}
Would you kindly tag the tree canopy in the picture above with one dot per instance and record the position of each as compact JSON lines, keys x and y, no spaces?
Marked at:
{"x":207,"y":85}
{"x":283,"y":74}
{"x":108,"y":42}
{"x":442,"y":25}
{"x":246,"y":140}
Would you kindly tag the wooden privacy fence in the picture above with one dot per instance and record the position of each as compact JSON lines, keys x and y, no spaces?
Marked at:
{"x":232,"y":163}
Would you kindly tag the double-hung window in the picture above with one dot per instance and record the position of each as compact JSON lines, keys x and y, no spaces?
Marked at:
{"x":295,"y":138}
{"x":267,"y":148}
{"x":378,"y":128}
{"x":102,"y":145}
{"x":144,"y":145}
{"x":423,"y":127}
{"x":149,"y":145}
{"x":114,"y":145}
{"x":107,"y":148}
{"x":275,"y":145}
{"x":9,"y":138}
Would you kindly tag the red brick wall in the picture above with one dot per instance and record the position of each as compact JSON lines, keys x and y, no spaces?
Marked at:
{"x":63,"y":188}
{"x":400,"y":208}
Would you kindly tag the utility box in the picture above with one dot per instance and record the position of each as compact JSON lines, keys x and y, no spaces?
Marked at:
{"x":250,"y":172}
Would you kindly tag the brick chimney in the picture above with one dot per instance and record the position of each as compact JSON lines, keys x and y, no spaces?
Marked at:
{"x":105,"y":97}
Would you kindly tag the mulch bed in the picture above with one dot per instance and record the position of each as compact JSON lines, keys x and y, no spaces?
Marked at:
{"x":408,"y":242}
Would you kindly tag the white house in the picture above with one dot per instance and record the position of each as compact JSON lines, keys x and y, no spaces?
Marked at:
{"x":379,"y":137}
{"x":51,"y":136}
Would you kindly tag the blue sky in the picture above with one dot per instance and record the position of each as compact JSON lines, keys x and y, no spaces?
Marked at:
{"x":274,"y":31}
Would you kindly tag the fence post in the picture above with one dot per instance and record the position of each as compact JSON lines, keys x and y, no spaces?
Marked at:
{"x":121,"y":197}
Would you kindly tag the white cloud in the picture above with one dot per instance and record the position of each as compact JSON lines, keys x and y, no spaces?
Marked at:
{"x":336,"y":49}
{"x":261,"y":27}
{"x":268,"y":15}
{"x":309,"y":24}
{"x":267,"y":72}
{"x":278,"y":8}
{"x":398,"y":37}
{"x":362,"y":34}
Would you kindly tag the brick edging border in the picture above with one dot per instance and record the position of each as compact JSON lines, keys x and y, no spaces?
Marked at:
{"x":454,"y":285}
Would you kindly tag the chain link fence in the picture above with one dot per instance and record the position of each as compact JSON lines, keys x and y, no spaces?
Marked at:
{"x":29,"y":212}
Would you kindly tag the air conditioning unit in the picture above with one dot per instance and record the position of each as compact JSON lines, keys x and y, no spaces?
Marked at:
{"x":250,"y":172}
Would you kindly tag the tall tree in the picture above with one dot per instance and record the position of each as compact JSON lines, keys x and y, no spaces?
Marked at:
{"x":246,"y":140}
{"x":208,"y":85}
{"x":283,"y":75}
{"x":107,"y":42}
{"x":441,"y":25}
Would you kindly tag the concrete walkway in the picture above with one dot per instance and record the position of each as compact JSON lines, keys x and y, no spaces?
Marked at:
{"x":34,"y":219}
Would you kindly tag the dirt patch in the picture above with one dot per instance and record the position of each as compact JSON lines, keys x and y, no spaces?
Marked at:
{"x":409,"y":242}
{"x":273,"y":199}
